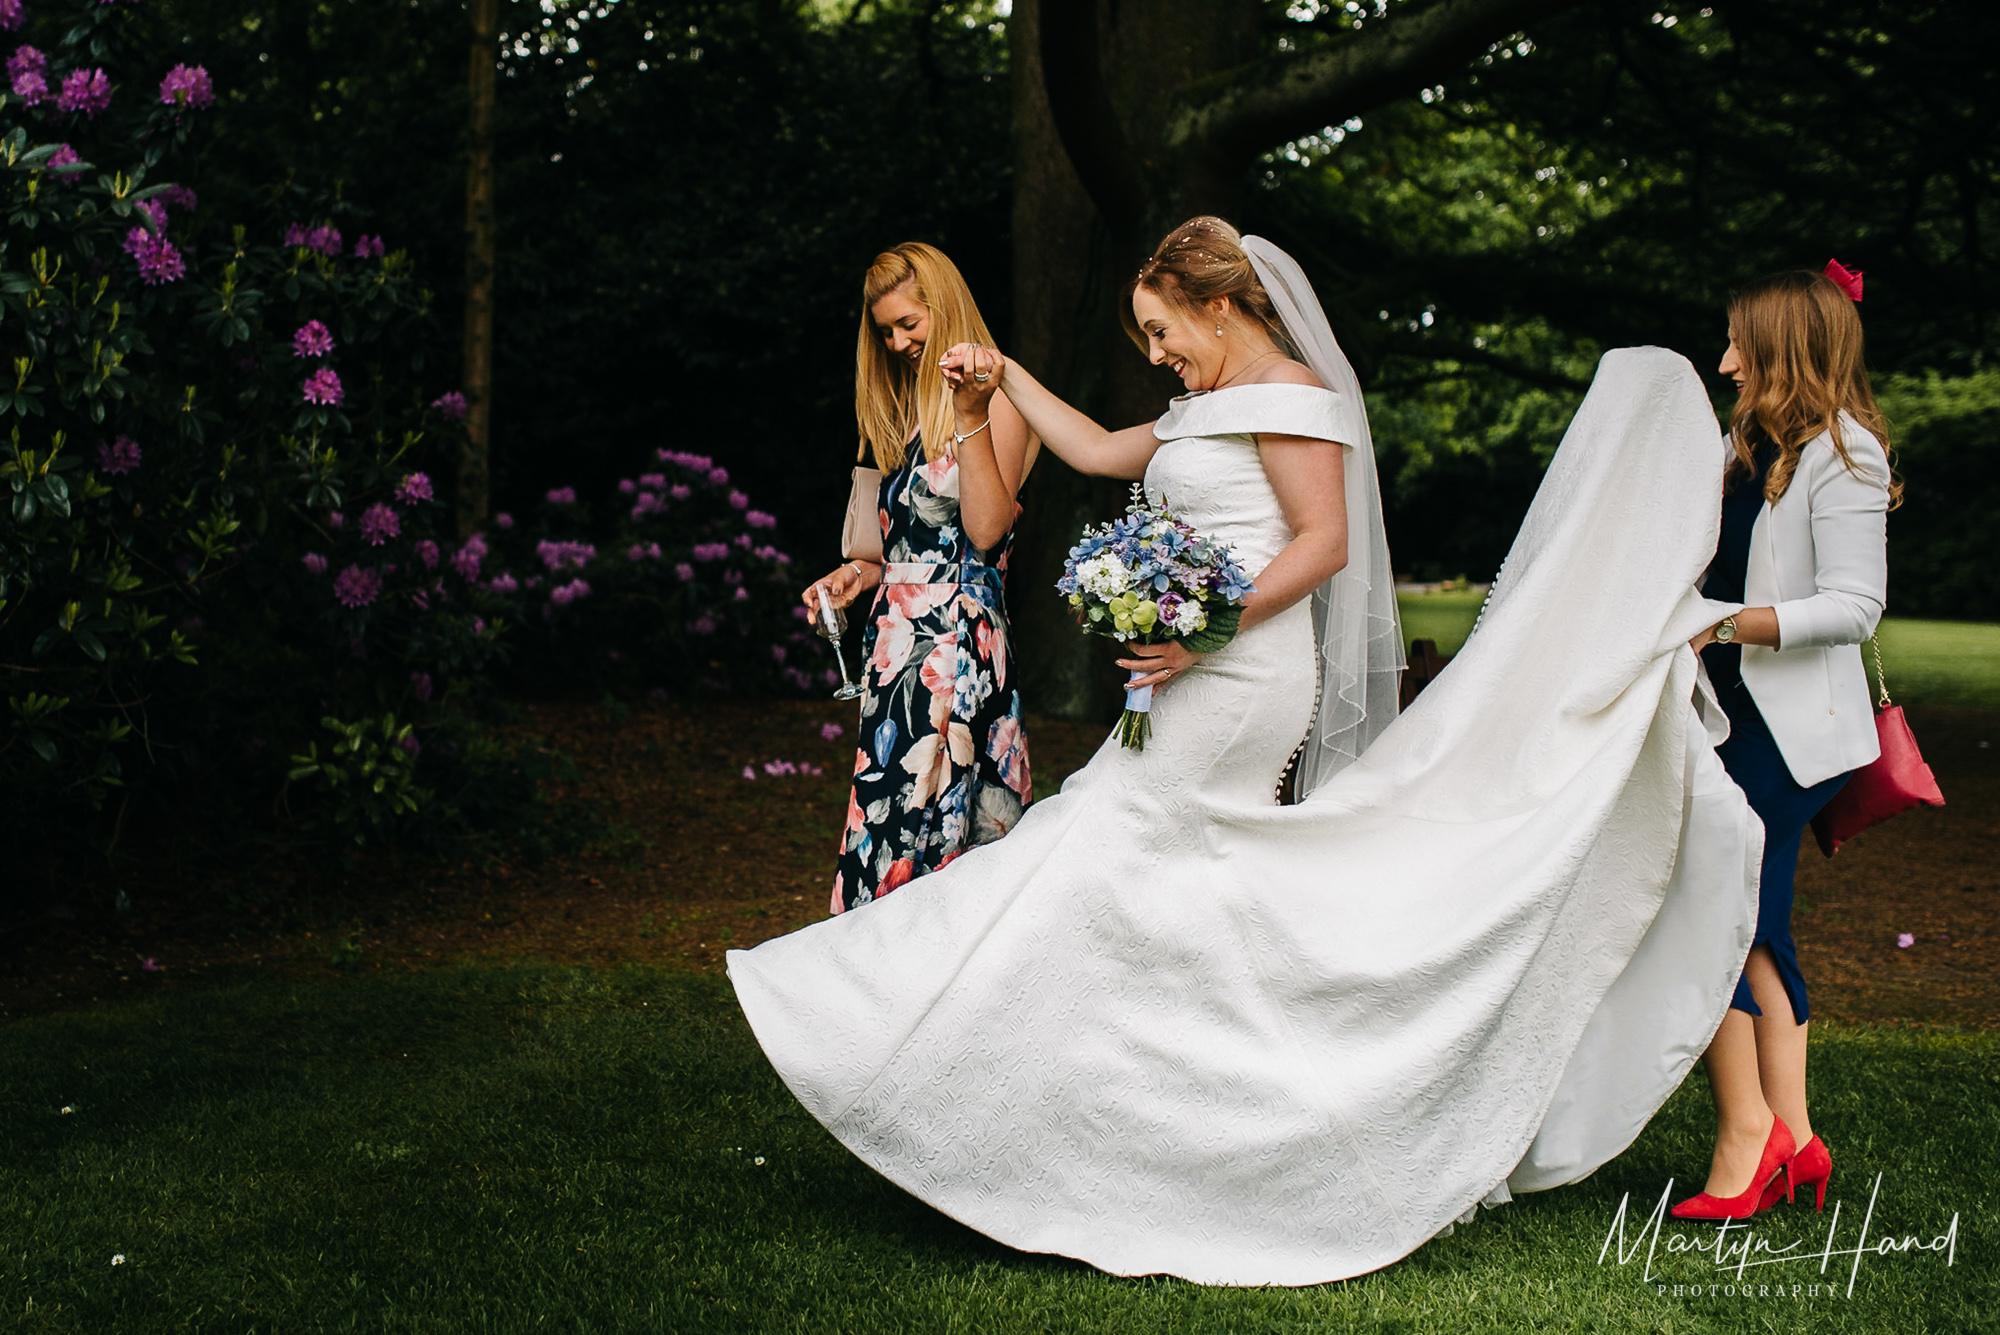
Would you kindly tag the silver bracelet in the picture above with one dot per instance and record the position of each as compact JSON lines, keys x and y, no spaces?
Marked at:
{"x":960,"y":440}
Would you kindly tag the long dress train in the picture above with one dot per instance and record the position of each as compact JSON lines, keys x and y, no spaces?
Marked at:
{"x":1169,"y":1026}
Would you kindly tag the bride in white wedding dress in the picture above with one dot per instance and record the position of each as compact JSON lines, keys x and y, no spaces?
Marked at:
{"x":1167,"y":1025}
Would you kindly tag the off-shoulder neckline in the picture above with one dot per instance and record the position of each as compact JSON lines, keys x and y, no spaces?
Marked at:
{"x":1204,"y":395}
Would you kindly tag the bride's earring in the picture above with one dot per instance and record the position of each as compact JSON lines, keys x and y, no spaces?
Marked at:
{"x":1218,"y":331}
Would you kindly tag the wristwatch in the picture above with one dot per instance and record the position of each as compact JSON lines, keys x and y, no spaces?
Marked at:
{"x":1725,"y":630}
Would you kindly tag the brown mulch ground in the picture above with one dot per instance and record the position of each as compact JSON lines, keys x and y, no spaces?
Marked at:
{"x":693,"y":859}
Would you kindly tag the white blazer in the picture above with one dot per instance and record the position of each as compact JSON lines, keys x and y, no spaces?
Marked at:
{"x":1820,"y":558}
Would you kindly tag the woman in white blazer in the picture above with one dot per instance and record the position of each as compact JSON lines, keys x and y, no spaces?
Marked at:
{"x":1802,"y":550}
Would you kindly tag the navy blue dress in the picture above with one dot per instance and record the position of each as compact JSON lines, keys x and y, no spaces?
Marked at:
{"x":1751,"y":754}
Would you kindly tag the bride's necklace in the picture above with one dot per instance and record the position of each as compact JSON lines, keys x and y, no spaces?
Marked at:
{"x":1246,"y":368}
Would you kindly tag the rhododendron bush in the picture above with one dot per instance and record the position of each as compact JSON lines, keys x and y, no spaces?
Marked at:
{"x":228,"y":583}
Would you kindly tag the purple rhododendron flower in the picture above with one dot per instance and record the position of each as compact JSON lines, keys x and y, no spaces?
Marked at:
{"x":156,"y":210}
{"x":561,"y":556}
{"x":411,"y":744}
{"x":88,"y":91}
{"x":450,"y":406}
{"x":369,"y":248}
{"x":416,"y":487}
{"x":503,"y":520}
{"x":187,"y":86}
{"x":684,"y":571}
{"x":159,"y":260}
{"x":313,"y":340}
{"x":562,"y":496}
{"x":467,"y":559}
{"x":626,"y":486}
{"x":742,"y":595}
{"x":12,"y":15}
{"x":680,"y":491}
{"x":564,"y":594}
{"x":739,"y":500}
{"x":420,"y":686}
{"x":118,"y":456}
{"x":65,"y":156}
{"x":295,"y":235}
{"x":710,"y":551}
{"x":379,"y":524}
{"x":427,"y":552}
{"x":830,"y":732}
{"x":647,"y":503}
{"x":719,"y":476}
{"x":653,"y":480}
{"x":758,"y":519}
{"x":28,"y":75}
{"x":777,"y":653}
{"x":314,"y":562}
{"x":355,"y":587}
{"x":324,"y":387}
{"x":703,"y":625}
{"x":504,"y":583}
{"x":179,"y":196}
{"x":325,"y":239}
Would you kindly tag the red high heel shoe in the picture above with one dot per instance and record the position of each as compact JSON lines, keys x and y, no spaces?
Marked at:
{"x":1810,"y":1167}
{"x":1779,"y":1149}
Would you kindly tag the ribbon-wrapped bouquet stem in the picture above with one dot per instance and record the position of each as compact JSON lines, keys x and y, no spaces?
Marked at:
{"x":1149,"y":578}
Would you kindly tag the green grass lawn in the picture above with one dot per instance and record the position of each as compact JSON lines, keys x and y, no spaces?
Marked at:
{"x":1929,"y":662}
{"x":557,"y":1150}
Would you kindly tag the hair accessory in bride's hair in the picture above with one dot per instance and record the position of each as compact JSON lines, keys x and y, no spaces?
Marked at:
{"x":1848,"y":281}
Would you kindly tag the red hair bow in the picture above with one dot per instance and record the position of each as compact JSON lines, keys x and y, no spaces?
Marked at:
{"x":1848,"y":282}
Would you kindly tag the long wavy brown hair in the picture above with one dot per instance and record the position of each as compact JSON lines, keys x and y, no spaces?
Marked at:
{"x":892,"y":399}
{"x":1198,"y":261}
{"x":1799,"y":339}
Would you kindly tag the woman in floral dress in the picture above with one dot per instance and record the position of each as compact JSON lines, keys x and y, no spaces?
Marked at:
{"x":943,"y":757}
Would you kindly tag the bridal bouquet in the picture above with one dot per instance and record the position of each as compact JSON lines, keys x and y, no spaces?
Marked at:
{"x":1150,"y":578}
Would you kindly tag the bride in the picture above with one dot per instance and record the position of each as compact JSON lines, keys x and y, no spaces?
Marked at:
{"x":1168,"y":1025}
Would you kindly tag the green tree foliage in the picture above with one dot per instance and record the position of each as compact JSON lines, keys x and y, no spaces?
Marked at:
{"x":1607,"y":182}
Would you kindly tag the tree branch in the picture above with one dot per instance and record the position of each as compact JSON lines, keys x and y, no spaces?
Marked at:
{"x":1227,"y":121}
{"x":1086,"y":123}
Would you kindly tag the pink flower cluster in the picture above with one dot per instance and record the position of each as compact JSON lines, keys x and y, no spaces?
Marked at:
{"x":758,"y":519}
{"x":323,"y":387}
{"x":467,"y":559}
{"x":88,"y":91}
{"x":562,"y":496}
{"x":561,"y":556}
{"x":450,"y":406}
{"x":28,"y":75}
{"x":312,"y":340}
{"x":325,"y":238}
{"x":413,"y":488}
{"x":179,"y":196}
{"x":427,"y":552}
{"x":314,"y":562}
{"x":369,"y":248}
{"x":12,"y":15}
{"x":710,"y":551}
{"x":355,"y":587}
{"x":159,"y":260}
{"x":118,"y":456}
{"x":379,"y":523}
{"x":187,"y":86}
{"x":642,"y":551}
{"x":562,"y":595}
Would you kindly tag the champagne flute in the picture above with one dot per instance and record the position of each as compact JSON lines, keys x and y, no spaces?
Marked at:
{"x":832,"y":624}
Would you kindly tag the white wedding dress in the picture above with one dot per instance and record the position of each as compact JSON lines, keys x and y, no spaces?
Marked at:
{"x":1167,"y":1025}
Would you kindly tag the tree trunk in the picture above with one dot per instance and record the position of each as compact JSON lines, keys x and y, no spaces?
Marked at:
{"x":1069,"y":267}
{"x":475,"y":452}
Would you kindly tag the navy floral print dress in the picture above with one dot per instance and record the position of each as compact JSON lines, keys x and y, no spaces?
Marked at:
{"x":943,"y":758}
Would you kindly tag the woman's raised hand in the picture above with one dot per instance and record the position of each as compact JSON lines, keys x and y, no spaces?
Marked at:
{"x":974,"y":373}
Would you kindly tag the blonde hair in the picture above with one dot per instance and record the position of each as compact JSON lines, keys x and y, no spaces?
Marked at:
{"x":1799,"y":339}
{"x":1198,"y":261}
{"x":892,"y":399}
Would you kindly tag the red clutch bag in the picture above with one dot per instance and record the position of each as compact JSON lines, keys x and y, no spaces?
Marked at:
{"x":1896,"y":781}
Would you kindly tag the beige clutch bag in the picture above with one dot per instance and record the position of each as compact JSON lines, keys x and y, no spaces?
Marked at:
{"x":861,"y":532}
